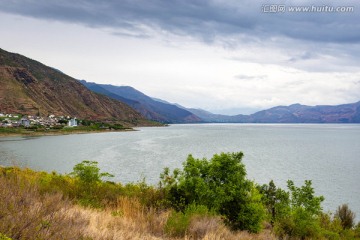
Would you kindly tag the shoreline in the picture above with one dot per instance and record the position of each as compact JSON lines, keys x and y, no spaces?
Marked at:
{"x":24,"y":132}
{"x":58,"y":133}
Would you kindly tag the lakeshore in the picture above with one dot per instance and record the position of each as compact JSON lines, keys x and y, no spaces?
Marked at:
{"x":15,"y":132}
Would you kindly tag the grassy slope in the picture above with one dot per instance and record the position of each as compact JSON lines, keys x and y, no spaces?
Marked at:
{"x":38,"y":205}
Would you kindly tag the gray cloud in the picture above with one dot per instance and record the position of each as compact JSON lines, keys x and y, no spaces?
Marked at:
{"x":248,"y":77}
{"x":204,"y":19}
{"x":304,"y":56}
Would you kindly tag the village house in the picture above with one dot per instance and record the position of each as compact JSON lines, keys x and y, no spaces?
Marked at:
{"x":72,"y":122}
{"x":25,"y":122}
{"x":9,"y":120}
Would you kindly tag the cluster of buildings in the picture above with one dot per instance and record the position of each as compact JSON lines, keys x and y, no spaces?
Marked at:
{"x":15,"y":120}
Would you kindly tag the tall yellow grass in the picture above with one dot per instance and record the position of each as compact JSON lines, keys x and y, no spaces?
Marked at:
{"x":26,"y":213}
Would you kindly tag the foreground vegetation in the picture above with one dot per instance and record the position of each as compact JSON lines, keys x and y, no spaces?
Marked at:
{"x":207,"y":199}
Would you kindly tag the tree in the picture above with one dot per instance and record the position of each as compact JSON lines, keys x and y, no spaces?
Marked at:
{"x":88,"y":173}
{"x":276,"y":200}
{"x":89,"y":182}
{"x":220,"y":184}
{"x":63,"y":121}
{"x":346,"y":216}
{"x":301,"y":219}
{"x":303,"y":197}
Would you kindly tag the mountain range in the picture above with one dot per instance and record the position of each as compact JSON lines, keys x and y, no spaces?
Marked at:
{"x":152,"y":109}
{"x":295,"y":113}
{"x":163,"y":111}
{"x":30,"y":87}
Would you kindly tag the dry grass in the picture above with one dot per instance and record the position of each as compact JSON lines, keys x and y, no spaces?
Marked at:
{"x":128,"y":220}
{"x":213,"y":228}
{"x":27,"y":214}
{"x":137,"y":222}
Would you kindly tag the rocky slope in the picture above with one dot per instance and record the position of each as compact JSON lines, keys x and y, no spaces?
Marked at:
{"x":29,"y":87}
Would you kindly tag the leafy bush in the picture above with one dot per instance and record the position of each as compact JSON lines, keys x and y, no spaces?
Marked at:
{"x":57,"y":127}
{"x":88,"y":172}
{"x":116,"y":126}
{"x":295,"y":213}
{"x":357,"y":230}
{"x":89,"y":183}
{"x":178,"y":222}
{"x":63,"y":121}
{"x":148,"y":195}
{"x":3,"y":237}
{"x":276,"y":200}
{"x":220,"y":184}
{"x":331,"y":226}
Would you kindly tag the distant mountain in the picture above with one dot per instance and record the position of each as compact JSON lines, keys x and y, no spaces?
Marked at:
{"x":157,"y":110}
{"x":296,"y":113}
{"x":30,"y":87}
{"x":98,"y":89}
{"x":211,"y":117}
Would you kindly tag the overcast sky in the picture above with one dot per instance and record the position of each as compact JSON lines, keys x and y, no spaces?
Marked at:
{"x":226,"y":56}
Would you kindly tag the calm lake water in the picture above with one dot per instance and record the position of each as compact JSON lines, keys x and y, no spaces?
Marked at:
{"x":329,"y":155}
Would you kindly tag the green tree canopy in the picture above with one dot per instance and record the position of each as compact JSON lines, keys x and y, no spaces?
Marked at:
{"x":219,"y":184}
{"x":295,"y":213}
{"x":88,"y":172}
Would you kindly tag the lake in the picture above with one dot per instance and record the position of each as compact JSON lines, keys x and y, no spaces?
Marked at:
{"x":327,"y":154}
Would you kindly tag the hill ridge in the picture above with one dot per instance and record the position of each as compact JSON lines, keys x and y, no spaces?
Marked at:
{"x":30,"y":87}
{"x":294,"y":113}
{"x":152,"y":109}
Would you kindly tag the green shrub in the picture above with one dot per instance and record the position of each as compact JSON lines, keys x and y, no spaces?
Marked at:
{"x":148,"y":195}
{"x":178,"y":222}
{"x":3,"y":237}
{"x":296,"y":213}
{"x":88,"y":173}
{"x":219,"y":184}
{"x":57,"y":127}
{"x":89,"y":183}
{"x":276,"y":201}
{"x":357,"y":230}
{"x":331,"y":226}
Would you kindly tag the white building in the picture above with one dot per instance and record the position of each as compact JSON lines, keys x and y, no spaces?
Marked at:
{"x":25,"y":122}
{"x":72,"y":122}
